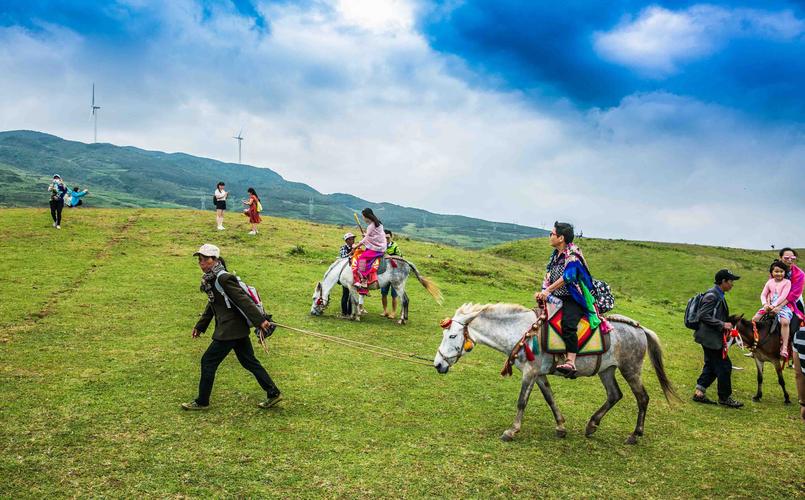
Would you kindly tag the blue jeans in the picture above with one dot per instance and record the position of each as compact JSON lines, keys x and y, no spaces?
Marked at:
{"x":385,"y":291}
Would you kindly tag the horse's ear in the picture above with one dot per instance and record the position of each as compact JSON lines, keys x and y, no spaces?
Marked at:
{"x":318,"y":287}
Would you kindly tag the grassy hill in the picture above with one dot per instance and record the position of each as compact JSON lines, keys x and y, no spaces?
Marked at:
{"x":131,"y":177}
{"x":96,"y":357}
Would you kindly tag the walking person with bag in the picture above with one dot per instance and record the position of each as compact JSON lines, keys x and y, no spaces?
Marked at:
{"x":57,"y":190}
{"x":713,"y":314}
{"x":219,"y":199}
{"x":233,"y":311}
{"x":253,"y":209}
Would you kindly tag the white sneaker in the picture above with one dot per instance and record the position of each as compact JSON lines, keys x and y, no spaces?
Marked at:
{"x":220,"y":228}
{"x":252,"y":232}
{"x":58,"y":227}
{"x":54,"y":224}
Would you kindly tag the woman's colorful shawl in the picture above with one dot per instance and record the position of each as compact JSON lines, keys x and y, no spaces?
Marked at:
{"x":578,"y":280}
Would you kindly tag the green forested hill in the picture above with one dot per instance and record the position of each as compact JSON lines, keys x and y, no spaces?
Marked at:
{"x":131,"y":177}
{"x":96,"y":356}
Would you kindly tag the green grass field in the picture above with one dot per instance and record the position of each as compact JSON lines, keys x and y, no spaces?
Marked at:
{"x":96,"y":356}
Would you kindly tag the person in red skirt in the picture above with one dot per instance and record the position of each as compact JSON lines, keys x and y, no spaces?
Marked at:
{"x":253,"y":209}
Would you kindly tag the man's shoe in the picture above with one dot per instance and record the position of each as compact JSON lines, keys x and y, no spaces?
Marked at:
{"x":193,"y":406}
{"x":703,"y":399}
{"x":268,"y":403}
{"x":730,"y":402}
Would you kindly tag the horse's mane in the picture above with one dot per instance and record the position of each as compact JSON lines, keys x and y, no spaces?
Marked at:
{"x":470,"y":310}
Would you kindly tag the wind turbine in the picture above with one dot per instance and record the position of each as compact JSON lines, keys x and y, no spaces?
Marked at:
{"x":94,"y":113}
{"x":239,"y":138}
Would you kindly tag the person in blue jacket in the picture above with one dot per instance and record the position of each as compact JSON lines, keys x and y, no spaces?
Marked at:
{"x":75,"y":197}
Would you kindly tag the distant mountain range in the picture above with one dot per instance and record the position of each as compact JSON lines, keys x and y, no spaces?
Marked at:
{"x":130,"y":177}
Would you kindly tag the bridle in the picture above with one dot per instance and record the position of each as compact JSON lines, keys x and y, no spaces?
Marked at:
{"x":466,"y":346}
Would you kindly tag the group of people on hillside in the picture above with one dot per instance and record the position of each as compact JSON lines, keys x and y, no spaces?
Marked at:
{"x":252,"y":207}
{"x":60,"y":196}
{"x":567,"y":281}
{"x":781,"y":297}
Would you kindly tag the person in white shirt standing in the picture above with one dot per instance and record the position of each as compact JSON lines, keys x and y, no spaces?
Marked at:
{"x":219,"y":198}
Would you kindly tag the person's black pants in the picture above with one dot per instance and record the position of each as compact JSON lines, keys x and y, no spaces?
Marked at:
{"x":716,"y":366}
{"x":216,"y":352}
{"x":346,"y":304}
{"x":56,"y":207}
{"x":571,"y":315}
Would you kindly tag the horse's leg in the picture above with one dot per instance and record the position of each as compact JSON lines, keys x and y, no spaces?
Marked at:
{"x":759,"y":366}
{"x":522,"y":402}
{"x":781,"y":380}
{"x":356,"y":304}
{"x":401,"y":296}
{"x":404,"y":308}
{"x":547,"y":393}
{"x":614,"y":395}
{"x":641,"y":395}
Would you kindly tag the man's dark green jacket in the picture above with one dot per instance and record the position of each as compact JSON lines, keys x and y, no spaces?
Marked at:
{"x":229,"y":322}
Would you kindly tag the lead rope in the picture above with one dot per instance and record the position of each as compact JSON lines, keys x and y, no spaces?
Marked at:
{"x":362,"y":346}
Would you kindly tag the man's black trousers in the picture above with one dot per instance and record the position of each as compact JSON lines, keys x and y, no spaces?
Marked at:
{"x":571,"y":315}
{"x":56,"y":207}
{"x":216,"y":352}
{"x":346,"y":304}
{"x":716,"y":366}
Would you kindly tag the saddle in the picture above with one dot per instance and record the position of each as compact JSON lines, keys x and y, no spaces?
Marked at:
{"x":591,"y":342}
{"x":373,"y":272}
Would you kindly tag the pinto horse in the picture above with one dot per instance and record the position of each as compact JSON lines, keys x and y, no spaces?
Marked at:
{"x":502,"y":327}
{"x":766,"y":348}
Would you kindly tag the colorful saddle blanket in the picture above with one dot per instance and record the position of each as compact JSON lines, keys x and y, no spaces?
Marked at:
{"x":590,"y":341}
{"x":375,"y":269}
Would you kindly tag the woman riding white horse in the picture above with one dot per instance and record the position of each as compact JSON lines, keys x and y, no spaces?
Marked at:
{"x":504,"y":326}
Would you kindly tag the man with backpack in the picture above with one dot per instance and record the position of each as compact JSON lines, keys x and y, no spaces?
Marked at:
{"x":712,"y":314}
{"x":234,"y":311}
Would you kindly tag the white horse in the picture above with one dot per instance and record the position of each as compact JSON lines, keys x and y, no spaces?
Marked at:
{"x":340,"y":273}
{"x":502,"y":326}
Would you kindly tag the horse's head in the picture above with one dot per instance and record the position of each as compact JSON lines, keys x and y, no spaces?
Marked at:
{"x":319,"y":301}
{"x":456,"y":342}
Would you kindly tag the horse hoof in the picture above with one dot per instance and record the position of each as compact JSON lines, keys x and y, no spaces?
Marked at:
{"x":560,"y":433}
{"x":505,"y":437}
{"x":756,"y":399}
{"x":590,"y":430}
{"x":787,"y":402}
{"x":401,"y":322}
{"x":632,"y":439}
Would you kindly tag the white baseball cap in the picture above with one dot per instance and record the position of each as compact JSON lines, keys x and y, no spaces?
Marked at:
{"x":208,"y":250}
{"x":348,"y":236}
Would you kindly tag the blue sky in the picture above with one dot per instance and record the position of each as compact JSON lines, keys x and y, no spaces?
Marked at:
{"x":671,"y":121}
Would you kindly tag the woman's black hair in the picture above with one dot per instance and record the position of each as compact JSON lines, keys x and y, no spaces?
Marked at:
{"x":367,"y":212}
{"x":75,"y":189}
{"x":787,"y":249}
{"x":564,"y":229}
{"x":220,"y":183}
{"x":780,"y":264}
{"x":388,"y":232}
{"x":223,"y":262}
{"x":252,"y":191}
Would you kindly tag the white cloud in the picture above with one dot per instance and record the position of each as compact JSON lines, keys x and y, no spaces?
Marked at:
{"x":378,"y":114}
{"x":660,"y":40}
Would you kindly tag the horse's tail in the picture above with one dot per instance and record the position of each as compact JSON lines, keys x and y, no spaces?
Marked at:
{"x":430,"y":286}
{"x":655,"y":355}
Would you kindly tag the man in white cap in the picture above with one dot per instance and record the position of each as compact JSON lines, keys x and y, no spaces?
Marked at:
{"x":346,"y":252}
{"x":230,"y":310}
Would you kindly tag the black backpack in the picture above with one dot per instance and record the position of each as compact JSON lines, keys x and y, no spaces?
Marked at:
{"x":692,"y":311}
{"x":603,"y":296}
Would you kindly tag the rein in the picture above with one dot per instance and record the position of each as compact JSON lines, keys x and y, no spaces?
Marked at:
{"x":362,"y":346}
{"x":541,"y":313}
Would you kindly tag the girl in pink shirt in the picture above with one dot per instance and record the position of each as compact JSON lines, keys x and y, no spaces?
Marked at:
{"x":775,"y":300}
{"x":375,"y":243}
